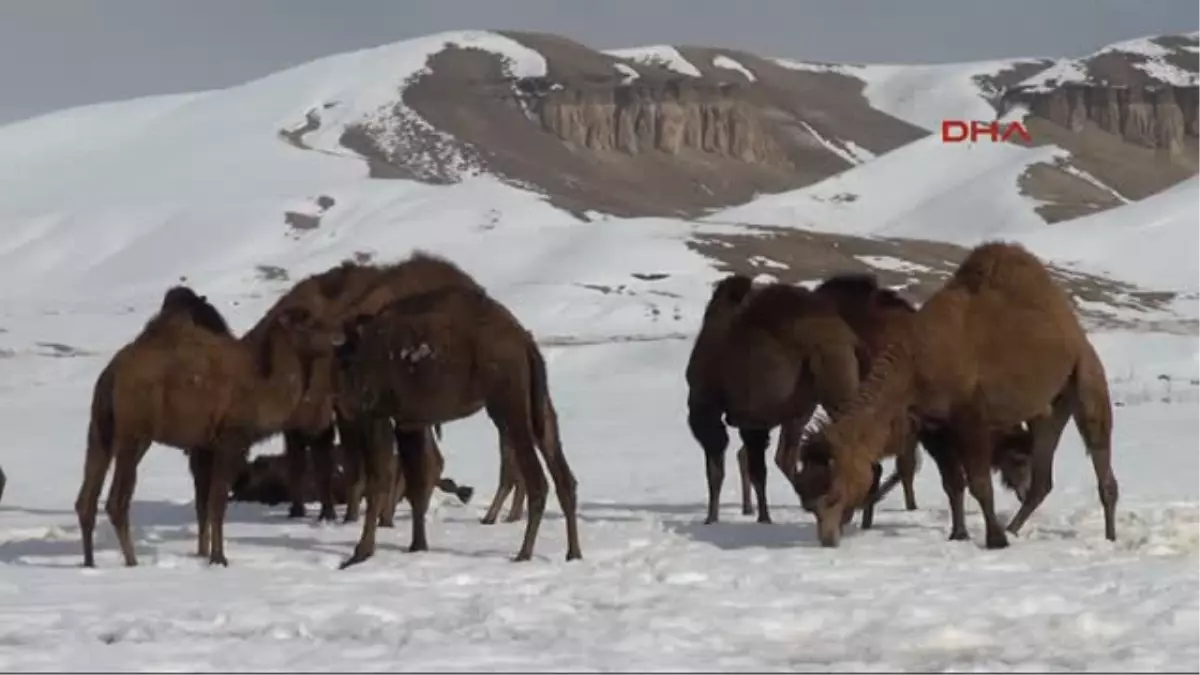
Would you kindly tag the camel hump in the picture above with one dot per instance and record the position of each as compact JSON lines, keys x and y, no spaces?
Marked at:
{"x":183,"y":301}
{"x":732,"y":289}
{"x":1002,"y":265}
{"x":775,"y":304}
{"x":860,"y":290}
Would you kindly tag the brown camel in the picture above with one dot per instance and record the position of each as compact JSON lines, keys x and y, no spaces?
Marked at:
{"x":866,"y":307}
{"x":3,"y":482}
{"x":765,"y":357}
{"x":350,"y":289}
{"x":265,"y":480}
{"x":999,"y":344}
{"x":444,"y":355}
{"x":182,"y":384}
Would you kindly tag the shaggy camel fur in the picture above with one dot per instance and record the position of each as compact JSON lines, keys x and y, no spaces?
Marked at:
{"x":440,"y":356}
{"x":265,"y":480}
{"x":182,"y":384}
{"x":347,"y":290}
{"x":764,"y":357}
{"x":960,"y":365}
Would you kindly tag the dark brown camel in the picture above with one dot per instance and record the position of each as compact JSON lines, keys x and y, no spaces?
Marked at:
{"x":265,"y":480}
{"x":180,"y":383}
{"x":765,"y":357}
{"x":350,"y":289}
{"x":999,"y":344}
{"x":440,"y":356}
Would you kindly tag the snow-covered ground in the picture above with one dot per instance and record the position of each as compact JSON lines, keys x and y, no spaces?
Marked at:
{"x":99,"y":218}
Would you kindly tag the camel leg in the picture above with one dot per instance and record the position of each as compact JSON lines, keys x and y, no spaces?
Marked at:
{"x":974,"y":439}
{"x":95,"y":467}
{"x":868,"y":518}
{"x":353,"y":459}
{"x":744,"y":474}
{"x":907,"y":463}
{"x":504,"y":486}
{"x":1046,"y":431}
{"x":756,"y":441}
{"x":376,"y":447}
{"x":120,"y":495}
{"x":224,"y":457}
{"x":410,"y":445}
{"x":200,"y":465}
{"x":709,"y":431}
{"x":565,"y":485}
{"x":937,"y":445}
{"x":520,"y":496}
{"x":295,"y":450}
{"x":321,"y":445}
{"x":1093,"y":419}
{"x":396,"y":491}
{"x":511,"y":415}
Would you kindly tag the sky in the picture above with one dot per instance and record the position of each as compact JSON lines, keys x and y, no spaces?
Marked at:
{"x":63,"y":53}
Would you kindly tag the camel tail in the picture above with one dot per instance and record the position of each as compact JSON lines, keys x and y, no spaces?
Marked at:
{"x":103,"y":423}
{"x":539,"y":392}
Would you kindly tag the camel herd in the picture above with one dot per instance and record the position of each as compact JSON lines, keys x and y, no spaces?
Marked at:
{"x":984,"y":375}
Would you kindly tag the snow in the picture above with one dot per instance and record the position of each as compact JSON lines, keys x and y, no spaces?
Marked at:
{"x":1152,"y":61}
{"x":818,"y":67}
{"x":954,"y":181}
{"x":1132,"y":242}
{"x":845,"y":153}
{"x":924,"y":95}
{"x":665,"y":56}
{"x":629,"y":73}
{"x":891,"y":263}
{"x":722,"y":61}
{"x":101,"y":216}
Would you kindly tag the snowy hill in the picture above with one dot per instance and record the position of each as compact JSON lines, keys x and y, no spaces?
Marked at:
{"x":106,"y":206}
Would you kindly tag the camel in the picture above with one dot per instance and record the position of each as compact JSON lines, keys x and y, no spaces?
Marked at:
{"x":350,"y":289}
{"x":3,"y":482}
{"x":181,"y":383}
{"x":764,"y":357}
{"x":265,"y":480}
{"x":439,"y":356}
{"x":999,"y":344}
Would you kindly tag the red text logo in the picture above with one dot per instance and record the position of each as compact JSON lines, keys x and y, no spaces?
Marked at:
{"x":957,"y":131}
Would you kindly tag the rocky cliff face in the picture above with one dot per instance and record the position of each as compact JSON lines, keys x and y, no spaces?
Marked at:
{"x":602,"y":133}
{"x":665,"y":117}
{"x":1163,"y":117}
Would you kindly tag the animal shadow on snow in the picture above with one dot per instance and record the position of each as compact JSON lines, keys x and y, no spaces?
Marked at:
{"x":154,"y":524}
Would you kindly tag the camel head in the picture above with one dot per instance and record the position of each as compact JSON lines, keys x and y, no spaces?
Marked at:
{"x":827,"y":490}
{"x":1012,"y":459}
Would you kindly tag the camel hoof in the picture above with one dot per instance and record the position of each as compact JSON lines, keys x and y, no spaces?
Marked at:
{"x":465,"y":494}
{"x":747,"y":510}
{"x":710,"y":520}
{"x":998,"y":541}
{"x":354,"y":560}
{"x":574,"y":555}
{"x":764,"y":520}
{"x":522,"y":557}
{"x":387,"y":523}
{"x":514,"y":518}
{"x":487,"y":521}
{"x":417,"y":548}
{"x":218,"y":560}
{"x":959,"y":535}
{"x":296,"y":511}
{"x":349,"y":520}
{"x":327,"y":516}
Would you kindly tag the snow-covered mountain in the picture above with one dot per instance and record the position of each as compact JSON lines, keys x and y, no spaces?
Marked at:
{"x":371,"y":154}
